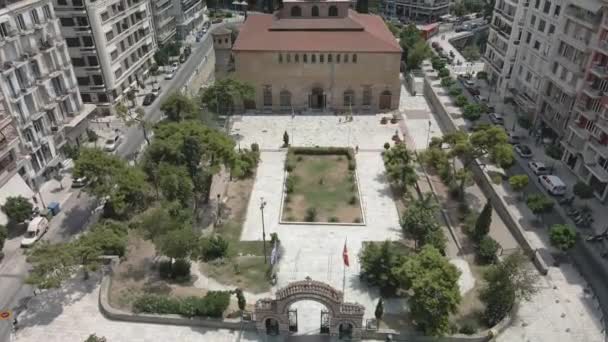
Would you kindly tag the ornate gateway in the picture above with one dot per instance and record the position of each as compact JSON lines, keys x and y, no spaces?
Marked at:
{"x":341,"y":319}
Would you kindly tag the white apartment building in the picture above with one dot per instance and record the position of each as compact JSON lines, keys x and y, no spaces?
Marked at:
{"x":111,"y":44}
{"x":419,"y":10}
{"x":189,"y":15}
{"x":39,"y":98}
{"x":164,"y":20}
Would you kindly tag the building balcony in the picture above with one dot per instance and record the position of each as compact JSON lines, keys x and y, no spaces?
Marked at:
{"x":495,"y":46}
{"x":574,"y":144}
{"x":580,"y":131}
{"x":602,"y":46}
{"x":504,"y":31}
{"x":590,"y":90}
{"x":506,"y":15}
{"x":583,"y":17}
{"x":600,"y":71}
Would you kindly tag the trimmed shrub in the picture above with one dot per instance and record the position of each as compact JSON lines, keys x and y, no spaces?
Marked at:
{"x":468,"y":328}
{"x":352,"y":200}
{"x":180,"y":269}
{"x":212,"y":305}
{"x":387,"y":146}
{"x":290,"y":183}
{"x":255,"y":147}
{"x":293,"y":153}
{"x":487,"y":249}
{"x":164,"y":269}
{"x":311,"y":215}
{"x":333,"y":219}
{"x":213,"y":248}
{"x":357,"y":220}
{"x":384,"y":120}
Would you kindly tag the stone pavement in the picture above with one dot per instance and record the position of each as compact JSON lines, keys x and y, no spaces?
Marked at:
{"x":443,"y":40}
{"x":560,"y":290}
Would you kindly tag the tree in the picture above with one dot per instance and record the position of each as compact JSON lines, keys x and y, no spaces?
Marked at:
{"x":175,"y":183}
{"x":487,"y":249}
{"x":443,"y":72}
{"x":285,"y":139}
{"x":471,"y":53}
{"x":447,"y":82}
{"x":416,"y":54}
{"x":482,"y":225}
{"x":51,"y":264}
{"x":379,"y":312}
{"x":507,"y":281}
{"x":378,"y":264}
{"x":438,"y":64}
{"x":420,"y":223}
{"x":562,"y":236}
{"x":136,"y":117}
{"x":17,"y":208}
{"x":461,"y":101}
{"x":399,"y":164}
{"x":455,"y":90}
{"x":433,"y":281}
{"x":3,"y":236}
{"x":240,"y":297}
{"x":177,"y":243}
{"x":519,"y":182}
{"x":472,"y":112}
{"x":409,"y":38}
{"x":211,"y":248}
{"x":178,"y":107}
{"x":221,"y":96}
{"x":582,"y":190}
{"x":94,"y":338}
{"x":539,"y":204}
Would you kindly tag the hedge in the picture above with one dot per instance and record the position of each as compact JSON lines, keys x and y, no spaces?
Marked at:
{"x":212,"y":305}
{"x":320,"y":151}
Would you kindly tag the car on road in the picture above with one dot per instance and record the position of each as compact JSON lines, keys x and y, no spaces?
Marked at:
{"x":217,"y":20}
{"x":35,"y":229}
{"x":480,"y":99}
{"x":496,"y":118}
{"x":523,"y":151}
{"x":538,"y":168}
{"x":514,"y":139}
{"x":473,"y":91}
{"x":156,"y":89}
{"x":170,"y":75}
{"x":469,"y":83}
{"x":174,"y":66}
{"x":148,"y":99}
{"x":553,"y":184}
{"x":80,"y":182}
{"x":112,"y":143}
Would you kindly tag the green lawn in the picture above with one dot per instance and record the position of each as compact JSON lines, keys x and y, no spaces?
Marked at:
{"x":245,"y":272}
{"x":325,"y":183}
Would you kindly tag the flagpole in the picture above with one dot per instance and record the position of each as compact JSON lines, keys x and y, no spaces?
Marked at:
{"x":344,"y":273}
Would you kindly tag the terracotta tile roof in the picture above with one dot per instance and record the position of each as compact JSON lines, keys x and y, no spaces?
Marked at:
{"x":336,"y":34}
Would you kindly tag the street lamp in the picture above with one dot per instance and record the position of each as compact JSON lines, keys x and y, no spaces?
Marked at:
{"x":428,"y":135}
{"x":262,"y":205}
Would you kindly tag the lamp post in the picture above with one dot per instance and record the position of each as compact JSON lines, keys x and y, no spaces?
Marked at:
{"x":428,"y":135}
{"x":262,"y":205}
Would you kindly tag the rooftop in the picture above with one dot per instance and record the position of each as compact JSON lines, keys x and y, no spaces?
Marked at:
{"x":354,"y":33}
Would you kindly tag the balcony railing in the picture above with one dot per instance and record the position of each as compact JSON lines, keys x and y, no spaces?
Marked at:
{"x":600,"y":70}
{"x":583,"y":17}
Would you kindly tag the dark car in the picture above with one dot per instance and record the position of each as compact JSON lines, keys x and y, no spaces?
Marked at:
{"x":474,"y":91}
{"x":148,"y":99}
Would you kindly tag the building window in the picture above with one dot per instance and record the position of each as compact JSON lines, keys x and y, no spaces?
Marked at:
{"x":528,"y":37}
{"x":280,"y":58}
{"x":73,"y":42}
{"x":102,"y":97}
{"x":321,"y":58}
{"x":551,"y":29}
{"x":93,"y":60}
{"x":305,"y":58}
{"x":114,"y":54}
{"x":537,"y":4}
{"x":66,"y":22}
{"x":288,"y":58}
{"x":541,"y":25}
{"x":547,"y":7}
{"x":82,"y":21}
{"x":62,"y":2}
{"x":536,"y":45}
{"x":109,"y":36}
{"x":267,"y":95}
{"x":345,"y":58}
{"x":349,"y":98}
{"x":87,"y":41}
{"x":78,"y":62}
{"x":20,"y":22}
{"x":313,"y":58}
{"x":34,"y":15}
{"x":85,"y":97}
{"x":83,"y":81}
{"x":533,"y":20}
{"x":338,"y":58}
{"x":47,"y":12}
{"x":556,"y":10}
{"x":367,"y":96}
{"x":296,"y":11}
{"x":285,"y":98}
{"x":354,"y":58}
{"x":77,"y":3}
{"x":329,"y":58}
{"x":105,"y":16}
{"x":333,"y":11}
{"x":97,"y":80}
{"x":315,"y":11}
{"x":118,"y":72}
{"x":296,"y":58}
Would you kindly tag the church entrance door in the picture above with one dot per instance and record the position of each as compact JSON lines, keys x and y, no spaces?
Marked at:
{"x":316,"y":100}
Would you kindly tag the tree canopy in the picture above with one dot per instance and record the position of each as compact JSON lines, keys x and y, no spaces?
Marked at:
{"x":420,"y":223}
{"x":17,"y":208}
{"x":379,"y":262}
{"x":221,"y":96}
{"x":399,"y":164}
{"x":562,"y":236}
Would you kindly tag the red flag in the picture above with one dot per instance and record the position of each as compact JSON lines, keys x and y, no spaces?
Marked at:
{"x":345,"y":255}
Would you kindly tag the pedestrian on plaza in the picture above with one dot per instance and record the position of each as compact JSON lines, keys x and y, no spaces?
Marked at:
{"x":356,"y":149}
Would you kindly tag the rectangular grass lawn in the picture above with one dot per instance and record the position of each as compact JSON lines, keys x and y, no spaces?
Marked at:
{"x":321,"y":188}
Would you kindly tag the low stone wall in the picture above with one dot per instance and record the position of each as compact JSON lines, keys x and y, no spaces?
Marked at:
{"x":485,"y":183}
{"x":119,"y":315}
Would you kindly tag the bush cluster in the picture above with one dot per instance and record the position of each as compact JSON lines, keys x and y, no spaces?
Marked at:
{"x":213,"y":248}
{"x":320,"y":151}
{"x":180,"y":269}
{"x":212,"y":305}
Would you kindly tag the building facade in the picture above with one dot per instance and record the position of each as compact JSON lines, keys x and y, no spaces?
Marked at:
{"x":319,"y":56}
{"x":39,"y":98}
{"x":111,"y":44}
{"x":164,"y":20}
{"x":188,"y":15}
{"x":425,"y":11}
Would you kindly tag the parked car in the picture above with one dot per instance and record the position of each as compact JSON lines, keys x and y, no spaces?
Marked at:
{"x":496,"y":118}
{"x":174,"y":66}
{"x":474,"y":91}
{"x":469,"y":83}
{"x":112,"y":143}
{"x":523,"y":151}
{"x":35,"y":229}
{"x":514,"y":139}
{"x":156,"y":89}
{"x":538,"y":168}
{"x":217,"y":20}
{"x":80,"y":182}
{"x":480,"y":99}
{"x":148,"y":99}
{"x":169,"y":75}
{"x":554,"y":185}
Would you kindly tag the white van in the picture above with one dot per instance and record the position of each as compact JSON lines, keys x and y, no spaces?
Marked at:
{"x":35,"y":229}
{"x":553,"y":184}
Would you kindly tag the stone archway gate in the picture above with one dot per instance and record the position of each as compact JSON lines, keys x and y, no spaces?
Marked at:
{"x":340,"y":312}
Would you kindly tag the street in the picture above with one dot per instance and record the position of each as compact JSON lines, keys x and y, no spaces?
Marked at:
{"x":76,"y":212}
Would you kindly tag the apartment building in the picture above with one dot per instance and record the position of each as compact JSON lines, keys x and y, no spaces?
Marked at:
{"x":164,"y":20}
{"x":111,"y":44}
{"x":189,"y":15}
{"x":40,"y":106}
{"x":418,"y":10}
